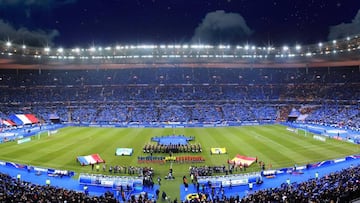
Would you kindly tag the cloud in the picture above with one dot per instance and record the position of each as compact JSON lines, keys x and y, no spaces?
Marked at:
{"x":219,"y":26}
{"x":23,"y":35}
{"x":343,"y":30}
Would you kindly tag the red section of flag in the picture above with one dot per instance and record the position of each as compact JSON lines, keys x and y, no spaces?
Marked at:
{"x":32,"y":118}
{"x":8,"y":122}
{"x":97,"y":158}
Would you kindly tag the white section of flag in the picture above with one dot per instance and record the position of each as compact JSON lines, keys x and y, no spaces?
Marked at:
{"x":23,"y":119}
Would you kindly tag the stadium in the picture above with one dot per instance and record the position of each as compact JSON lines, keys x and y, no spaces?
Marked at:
{"x":137,"y":123}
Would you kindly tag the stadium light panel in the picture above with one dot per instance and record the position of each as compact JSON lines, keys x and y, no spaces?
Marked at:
{"x":246,"y":47}
{"x":297,"y":47}
{"x":60,"y":50}
{"x":24,"y":46}
{"x":92,"y":49}
{"x":334,"y":41}
{"x":8,"y":44}
{"x":108,"y":48}
{"x":285,"y":48}
{"x":47,"y":49}
{"x":320,"y":44}
{"x":77,"y":50}
{"x":117,"y":47}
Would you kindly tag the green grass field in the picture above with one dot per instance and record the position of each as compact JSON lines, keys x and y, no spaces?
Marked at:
{"x":271,"y":144}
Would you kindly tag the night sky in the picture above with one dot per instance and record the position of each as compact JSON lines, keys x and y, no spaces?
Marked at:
{"x":84,"y":23}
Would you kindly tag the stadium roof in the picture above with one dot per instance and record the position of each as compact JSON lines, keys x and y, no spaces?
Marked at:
{"x":344,"y":52}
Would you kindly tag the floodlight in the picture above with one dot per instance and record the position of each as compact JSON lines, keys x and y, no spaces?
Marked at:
{"x":60,"y":50}
{"x":77,"y":50}
{"x":246,"y":47}
{"x":297,"y":47}
{"x":24,"y":46}
{"x":8,"y":44}
{"x":117,"y":47}
{"x":285,"y":48}
{"x":334,"y":41}
{"x":92,"y":49}
{"x":348,"y":38}
{"x":47,"y":49}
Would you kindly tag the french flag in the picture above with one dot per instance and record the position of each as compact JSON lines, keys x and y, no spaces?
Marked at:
{"x":23,"y":119}
{"x":8,"y":122}
{"x":90,"y":159}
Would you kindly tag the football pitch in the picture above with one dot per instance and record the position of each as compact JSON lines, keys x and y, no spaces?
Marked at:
{"x":272,"y":144}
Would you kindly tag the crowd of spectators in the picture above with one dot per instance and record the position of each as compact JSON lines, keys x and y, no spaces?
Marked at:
{"x":341,"y":186}
{"x":181,"y":95}
{"x":16,"y":190}
{"x":335,"y":114}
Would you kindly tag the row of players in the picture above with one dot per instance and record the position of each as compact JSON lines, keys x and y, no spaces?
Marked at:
{"x":172,"y":148}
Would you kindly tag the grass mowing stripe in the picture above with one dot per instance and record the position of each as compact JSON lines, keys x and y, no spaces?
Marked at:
{"x":325,"y":150}
{"x":273,"y":151}
{"x":335,"y":144}
{"x":286,"y":144}
{"x":209,"y":141}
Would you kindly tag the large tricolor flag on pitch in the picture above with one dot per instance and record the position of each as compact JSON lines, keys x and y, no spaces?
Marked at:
{"x":23,"y":119}
{"x":242,"y":160}
{"x":90,"y":159}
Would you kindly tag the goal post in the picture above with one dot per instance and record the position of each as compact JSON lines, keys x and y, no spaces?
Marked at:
{"x":301,"y":131}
